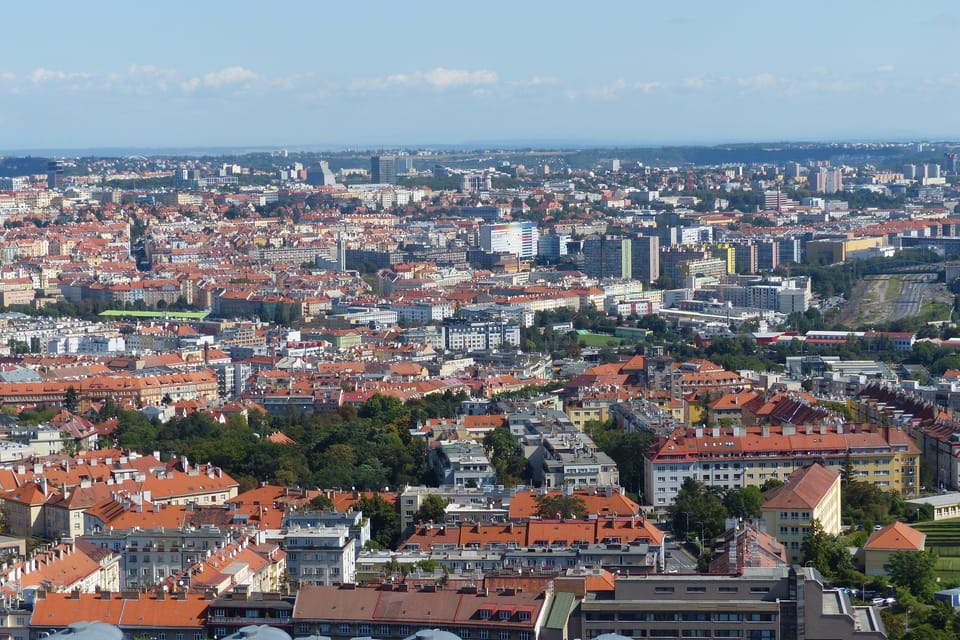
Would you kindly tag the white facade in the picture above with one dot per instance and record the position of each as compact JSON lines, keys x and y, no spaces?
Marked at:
{"x":320,"y":555}
{"x":519,"y":238}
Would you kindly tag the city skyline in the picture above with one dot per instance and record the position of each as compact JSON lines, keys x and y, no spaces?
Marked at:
{"x":235,"y":75}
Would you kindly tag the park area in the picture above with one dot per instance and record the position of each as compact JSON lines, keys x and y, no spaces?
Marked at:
{"x":943,"y":540}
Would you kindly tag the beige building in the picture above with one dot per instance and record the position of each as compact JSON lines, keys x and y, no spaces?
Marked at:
{"x":894,"y":537}
{"x":810,"y":493}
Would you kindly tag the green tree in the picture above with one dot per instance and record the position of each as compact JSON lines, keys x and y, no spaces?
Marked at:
{"x":550,"y":506}
{"x":745,"y":503}
{"x":384,"y":521}
{"x":431,"y":510}
{"x":816,"y":548}
{"x":913,"y":570}
{"x":71,"y":400}
{"x":320,"y":503}
{"x":697,"y":505}
{"x":505,"y":453}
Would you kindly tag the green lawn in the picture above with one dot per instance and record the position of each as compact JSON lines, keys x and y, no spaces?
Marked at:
{"x":943,"y":540}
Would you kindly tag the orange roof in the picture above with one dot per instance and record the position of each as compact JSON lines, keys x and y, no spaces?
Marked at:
{"x":805,"y":488}
{"x":524,"y":503}
{"x":897,"y":536}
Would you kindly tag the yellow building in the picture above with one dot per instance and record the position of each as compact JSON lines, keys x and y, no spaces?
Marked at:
{"x":836,"y":250}
{"x":811,"y":493}
{"x":727,"y":253}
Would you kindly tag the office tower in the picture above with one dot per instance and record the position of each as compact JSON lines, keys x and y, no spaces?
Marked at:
{"x":790,"y":250}
{"x":552,"y":246}
{"x":792,"y":171}
{"x":55,"y":174}
{"x":404,"y":165}
{"x":608,"y":257}
{"x":645,"y":258}
{"x":910,"y":171}
{"x":383,"y":169}
{"x":321,"y":175}
{"x":768,"y":255}
{"x":518,"y":238}
{"x":746,"y":258}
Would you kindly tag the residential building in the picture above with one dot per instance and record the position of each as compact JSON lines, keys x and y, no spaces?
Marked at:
{"x":608,"y":257}
{"x":645,"y":258}
{"x":464,"y":335}
{"x":396,"y":612}
{"x":320,"y":555}
{"x":809,"y":493}
{"x":461,"y":463}
{"x":894,"y":537}
{"x":738,"y":456}
{"x":240,"y":607}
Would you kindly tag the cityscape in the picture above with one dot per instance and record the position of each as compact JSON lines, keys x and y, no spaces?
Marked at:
{"x":450,"y":322}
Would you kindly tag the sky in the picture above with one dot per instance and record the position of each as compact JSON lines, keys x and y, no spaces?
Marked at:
{"x":371,"y":74}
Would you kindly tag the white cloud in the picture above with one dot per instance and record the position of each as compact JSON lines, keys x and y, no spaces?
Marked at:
{"x":229,"y":76}
{"x":439,"y":78}
{"x":761,"y":81}
{"x":44,"y":75}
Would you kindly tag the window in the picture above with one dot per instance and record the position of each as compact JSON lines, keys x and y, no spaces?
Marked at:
{"x":759,"y":589}
{"x":761,"y":634}
{"x":485,"y":614}
{"x":181,"y":635}
{"x":727,"y":633}
{"x":690,"y":616}
{"x":761,"y":617}
{"x":344,"y":629}
{"x":364,"y":630}
{"x":484,"y":634}
{"x":695,"y":633}
{"x":503,"y":635}
{"x":385,"y":630}
{"x":729,"y":589}
{"x":162,"y":636}
{"x":696,"y":589}
{"x":663,"y":590}
{"x":404,"y":631}
{"x":727,"y":617}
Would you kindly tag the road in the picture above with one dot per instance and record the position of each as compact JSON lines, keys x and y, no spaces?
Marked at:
{"x":680,"y":560}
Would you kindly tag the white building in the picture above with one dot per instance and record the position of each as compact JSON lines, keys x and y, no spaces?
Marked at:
{"x":320,"y":555}
{"x":462,"y":335}
{"x":519,"y":238}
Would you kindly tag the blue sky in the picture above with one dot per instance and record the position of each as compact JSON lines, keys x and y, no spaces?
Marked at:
{"x":370,"y":74}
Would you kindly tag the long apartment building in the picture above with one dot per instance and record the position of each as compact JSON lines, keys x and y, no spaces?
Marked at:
{"x":735,"y":457}
{"x":760,"y":604}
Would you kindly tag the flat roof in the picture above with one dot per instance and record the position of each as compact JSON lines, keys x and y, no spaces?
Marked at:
{"x":939,"y":500}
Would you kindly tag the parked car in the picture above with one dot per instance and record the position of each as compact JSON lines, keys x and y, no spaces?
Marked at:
{"x":878,"y":602}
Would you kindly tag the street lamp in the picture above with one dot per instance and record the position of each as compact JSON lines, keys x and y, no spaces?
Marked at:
{"x":686,"y":529}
